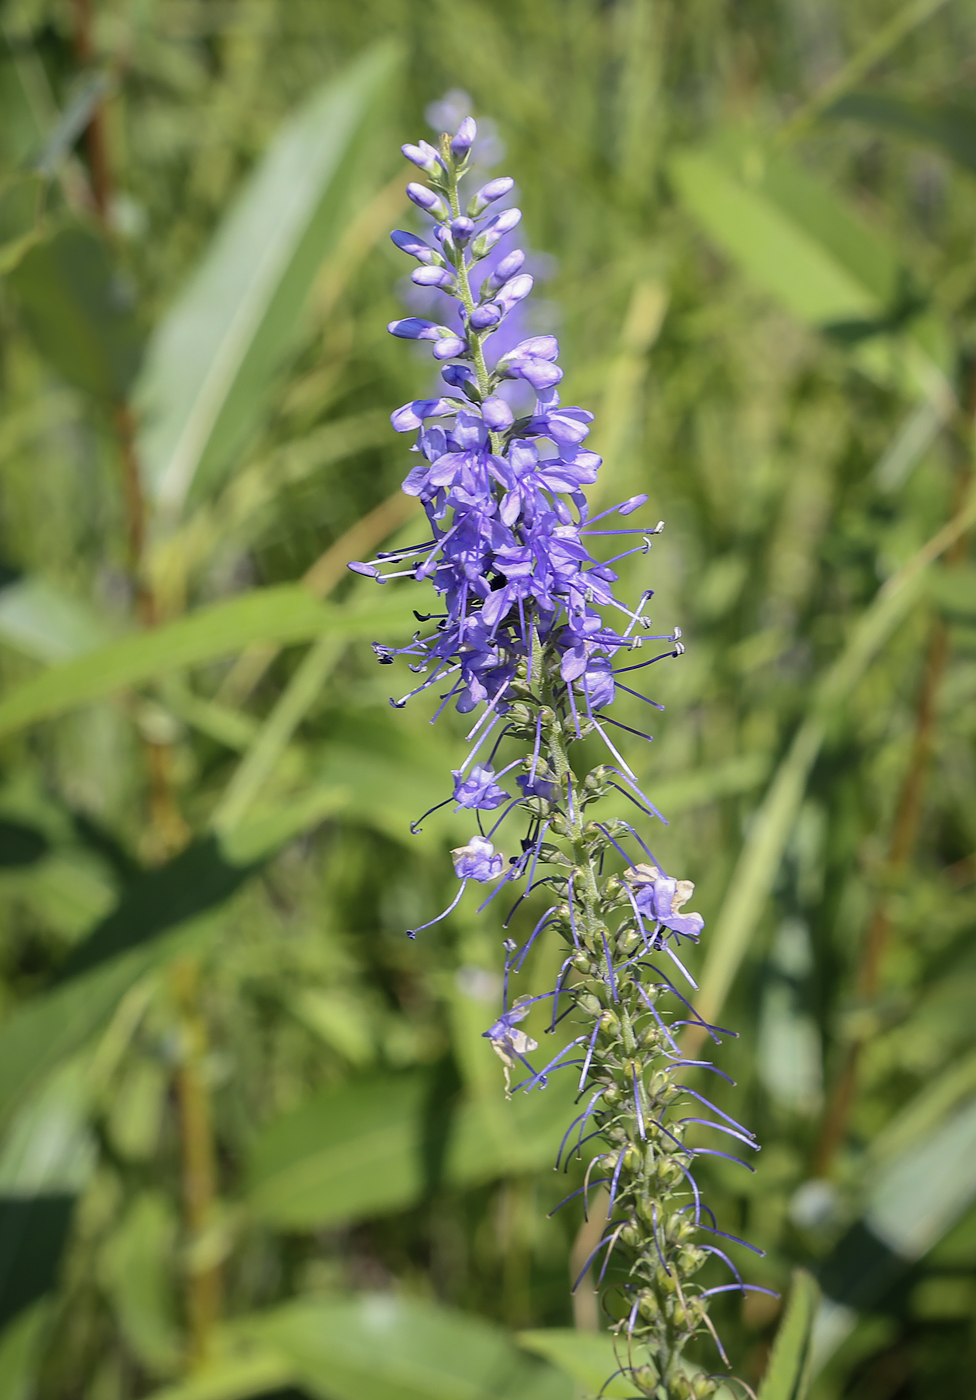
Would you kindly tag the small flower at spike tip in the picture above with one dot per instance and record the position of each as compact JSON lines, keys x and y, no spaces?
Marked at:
{"x":478,"y":860}
{"x":660,"y":898}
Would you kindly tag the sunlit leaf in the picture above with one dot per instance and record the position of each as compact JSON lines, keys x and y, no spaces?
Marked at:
{"x":788,"y":1373}
{"x":794,"y":238}
{"x":287,"y":613}
{"x":47,"y":624}
{"x":212,"y":357}
{"x":587,"y":1357}
{"x":383,"y":1346}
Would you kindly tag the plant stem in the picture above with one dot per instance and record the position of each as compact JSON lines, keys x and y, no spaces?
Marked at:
{"x":204,"y":1293}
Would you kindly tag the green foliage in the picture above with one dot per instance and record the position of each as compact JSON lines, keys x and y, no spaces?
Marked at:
{"x":763,"y":279}
{"x":788,"y":1373}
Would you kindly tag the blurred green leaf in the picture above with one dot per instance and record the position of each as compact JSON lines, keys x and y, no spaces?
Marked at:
{"x":381,"y":1346}
{"x":43,"y":622}
{"x":953,"y":590}
{"x":759,"y":860}
{"x":353,"y":1151}
{"x":587,"y":1357}
{"x":47,"y":1155}
{"x":211,"y":358}
{"x":788,"y":1373}
{"x":913,"y":1199}
{"x":20,"y":845}
{"x":79,"y":312}
{"x":85,"y":97}
{"x":263,"y":1372}
{"x":20,"y":1346}
{"x":361,"y":1149}
{"x":136,"y":1272}
{"x":286,"y":613}
{"x":20,"y":205}
{"x":194,"y":881}
{"x":951,"y":125}
{"x":804,"y":247}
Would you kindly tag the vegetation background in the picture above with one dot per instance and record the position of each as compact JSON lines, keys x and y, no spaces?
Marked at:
{"x":253,"y":1142}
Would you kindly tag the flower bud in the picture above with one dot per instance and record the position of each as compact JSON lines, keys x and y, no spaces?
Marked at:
{"x":432,"y":277}
{"x":484,"y":316}
{"x":497,"y":228}
{"x":464,"y":140}
{"x":425,"y":156}
{"x":416,"y":247}
{"x":427,"y":200}
{"x":495,"y":189}
{"x":509,"y":265}
{"x":450,"y":346}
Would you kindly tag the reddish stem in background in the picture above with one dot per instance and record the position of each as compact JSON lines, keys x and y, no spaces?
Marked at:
{"x":95,"y":136}
{"x":908,"y":814}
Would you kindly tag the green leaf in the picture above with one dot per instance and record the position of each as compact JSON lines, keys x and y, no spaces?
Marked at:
{"x":212,"y":357}
{"x":364,"y":1148}
{"x":951,"y":125}
{"x":236,"y":1378}
{"x":791,"y":236}
{"x":47,"y":1156}
{"x":41,"y":1032}
{"x":20,"y":1348}
{"x":160,"y":913}
{"x":953,"y":590}
{"x":20,"y":204}
{"x":287,"y":613}
{"x":194,"y":881}
{"x":587,"y":1357}
{"x":80,"y":312}
{"x":36,"y":618}
{"x":788,"y":1373}
{"x":136,"y":1272}
{"x":769,"y":831}
{"x":350,"y":1152}
{"x":386,"y":1347}
{"x":20,"y":845}
{"x":913,"y":1200}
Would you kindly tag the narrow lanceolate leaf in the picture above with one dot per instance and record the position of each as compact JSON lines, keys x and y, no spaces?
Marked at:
{"x":287,"y":613}
{"x":794,"y":238}
{"x":788,"y":1373}
{"x":210,"y":362}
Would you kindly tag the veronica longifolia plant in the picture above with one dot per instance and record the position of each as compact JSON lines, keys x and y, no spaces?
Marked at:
{"x":530,"y":639}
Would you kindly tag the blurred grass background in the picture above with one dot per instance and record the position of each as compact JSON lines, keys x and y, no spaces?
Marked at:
{"x":253,"y":1141}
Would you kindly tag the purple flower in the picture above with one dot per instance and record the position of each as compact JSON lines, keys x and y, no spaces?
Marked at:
{"x":660,"y":898}
{"x":478,"y":790}
{"x":478,"y":860}
{"x":536,"y":787}
{"x":507,"y":1041}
